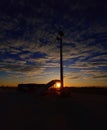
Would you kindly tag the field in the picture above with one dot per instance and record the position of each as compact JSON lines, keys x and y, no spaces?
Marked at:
{"x":80,"y":111}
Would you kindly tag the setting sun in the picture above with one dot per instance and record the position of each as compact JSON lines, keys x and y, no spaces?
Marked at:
{"x":57,"y":85}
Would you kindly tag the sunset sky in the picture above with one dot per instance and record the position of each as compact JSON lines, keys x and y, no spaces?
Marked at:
{"x":29,"y":51}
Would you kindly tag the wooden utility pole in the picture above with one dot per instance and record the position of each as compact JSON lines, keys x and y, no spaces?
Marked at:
{"x":59,"y":38}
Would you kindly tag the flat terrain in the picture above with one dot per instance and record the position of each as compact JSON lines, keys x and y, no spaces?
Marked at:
{"x":22,"y":111}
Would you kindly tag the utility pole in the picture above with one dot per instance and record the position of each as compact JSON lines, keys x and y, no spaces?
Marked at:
{"x":59,"y":38}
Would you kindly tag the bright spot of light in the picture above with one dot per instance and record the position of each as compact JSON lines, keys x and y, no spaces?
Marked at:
{"x":58,"y":85}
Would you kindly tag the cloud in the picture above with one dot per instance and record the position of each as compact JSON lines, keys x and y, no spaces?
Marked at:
{"x":95,"y":74}
{"x":100,"y":77}
{"x":17,"y":66}
{"x":28,"y":44}
{"x":88,"y":65}
{"x":25,"y":56}
{"x":86,"y":75}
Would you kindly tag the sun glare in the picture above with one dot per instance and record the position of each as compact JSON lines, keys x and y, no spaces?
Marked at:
{"x":58,"y":85}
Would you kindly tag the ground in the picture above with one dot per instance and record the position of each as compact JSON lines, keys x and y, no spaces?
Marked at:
{"x":19,"y":111}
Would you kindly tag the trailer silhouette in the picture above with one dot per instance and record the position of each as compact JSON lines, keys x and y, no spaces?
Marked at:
{"x":43,"y":89}
{"x":37,"y":88}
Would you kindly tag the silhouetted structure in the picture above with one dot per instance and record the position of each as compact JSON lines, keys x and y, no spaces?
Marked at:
{"x":38,"y":88}
{"x":59,"y":37}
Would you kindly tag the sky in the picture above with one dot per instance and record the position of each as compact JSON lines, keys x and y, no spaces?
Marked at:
{"x":29,"y":51}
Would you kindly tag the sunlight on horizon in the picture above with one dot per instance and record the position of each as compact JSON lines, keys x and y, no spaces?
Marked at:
{"x":67,"y":82}
{"x":58,"y":85}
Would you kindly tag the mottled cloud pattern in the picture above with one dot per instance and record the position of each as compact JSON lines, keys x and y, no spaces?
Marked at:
{"x":28,"y":45}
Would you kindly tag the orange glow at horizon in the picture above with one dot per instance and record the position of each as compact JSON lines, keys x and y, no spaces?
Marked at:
{"x":67,"y":82}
